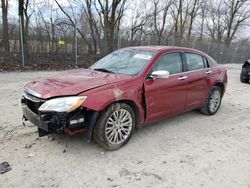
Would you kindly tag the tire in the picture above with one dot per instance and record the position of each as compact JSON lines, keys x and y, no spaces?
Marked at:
{"x":115,"y":126}
{"x":213,"y":101}
{"x":244,"y":80}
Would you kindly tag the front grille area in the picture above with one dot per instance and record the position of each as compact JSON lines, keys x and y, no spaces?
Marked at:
{"x":52,"y":122}
{"x":32,"y":102}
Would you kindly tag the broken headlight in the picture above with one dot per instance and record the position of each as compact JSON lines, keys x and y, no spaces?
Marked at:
{"x":62,"y":104}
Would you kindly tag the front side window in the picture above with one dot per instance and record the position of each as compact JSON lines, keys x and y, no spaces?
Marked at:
{"x":130,"y":62}
{"x":194,"y":61}
{"x":170,"y":62}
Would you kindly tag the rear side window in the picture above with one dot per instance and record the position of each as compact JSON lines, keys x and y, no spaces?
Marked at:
{"x":170,"y":62}
{"x":194,"y":61}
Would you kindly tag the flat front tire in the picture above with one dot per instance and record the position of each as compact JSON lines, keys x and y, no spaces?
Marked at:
{"x":115,"y":126}
{"x":213,"y":101}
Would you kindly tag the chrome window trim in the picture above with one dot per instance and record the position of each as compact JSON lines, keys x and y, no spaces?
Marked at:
{"x":191,"y":71}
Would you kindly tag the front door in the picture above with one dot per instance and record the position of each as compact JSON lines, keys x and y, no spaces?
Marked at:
{"x":166,"y":97}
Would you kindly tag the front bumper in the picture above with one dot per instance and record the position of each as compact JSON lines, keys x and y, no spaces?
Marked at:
{"x":34,"y":118}
{"x":53,"y":122}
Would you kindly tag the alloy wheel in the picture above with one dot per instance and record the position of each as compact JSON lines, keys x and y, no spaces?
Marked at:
{"x":214,"y":101}
{"x":118,"y":126}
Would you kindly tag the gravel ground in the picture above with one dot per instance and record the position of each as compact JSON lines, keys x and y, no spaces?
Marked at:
{"x":189,"y":150}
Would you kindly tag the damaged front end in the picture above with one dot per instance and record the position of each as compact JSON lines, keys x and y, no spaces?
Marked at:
{"x":71,"y":122}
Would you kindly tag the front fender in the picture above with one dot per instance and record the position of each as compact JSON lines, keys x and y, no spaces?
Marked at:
{"x":100,"y":98}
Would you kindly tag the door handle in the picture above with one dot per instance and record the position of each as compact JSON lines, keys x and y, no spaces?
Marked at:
{"x":208,"y":72}
{"x":182,"y":78}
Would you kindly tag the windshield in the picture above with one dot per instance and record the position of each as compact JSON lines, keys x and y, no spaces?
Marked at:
{"x":130,"y":62}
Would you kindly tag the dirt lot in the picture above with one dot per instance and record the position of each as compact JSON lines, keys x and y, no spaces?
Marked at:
{"x":190,"y":150}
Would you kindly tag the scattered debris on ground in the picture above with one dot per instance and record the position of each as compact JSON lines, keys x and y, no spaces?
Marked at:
{"x":4,"y":167}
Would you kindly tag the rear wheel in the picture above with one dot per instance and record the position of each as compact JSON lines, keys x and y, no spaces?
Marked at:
{"x":115,"y":126}
{"x":213,"y":101}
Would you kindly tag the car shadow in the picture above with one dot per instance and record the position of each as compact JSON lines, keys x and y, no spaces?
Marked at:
{"x":79,"y":142}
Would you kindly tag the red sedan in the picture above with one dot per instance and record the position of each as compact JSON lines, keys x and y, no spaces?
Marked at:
{"x":126,"y":89}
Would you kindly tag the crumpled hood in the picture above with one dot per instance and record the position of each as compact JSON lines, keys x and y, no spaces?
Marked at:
{"x":72,"y":83}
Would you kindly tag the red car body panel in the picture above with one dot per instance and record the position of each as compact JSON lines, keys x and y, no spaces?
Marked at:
{"x":164,"y":97}
{"x":98,"y":99}
{"x":73,"y":82}
{"x":154,"y":99}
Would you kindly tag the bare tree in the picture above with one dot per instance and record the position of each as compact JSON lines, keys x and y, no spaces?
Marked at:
{"x":111,"y":13}
{"x":21,"y":26}
{"x":140,"y":22}
{"x":160,"y":16}
{"x":203,"y":11}
{"x":6,"y":43}
{"x":192,"y":15}
{"x":72,"y":22}
{"x":180,"y":15}
{"x":92,"y":23}
{"x":137,"y":25}
{"x":27,"y":15}
{"x":139,"y":17}
{"x":13,"y":36}
{"x":89,"y":16}
{"x":49,"y":26}
{"x":38,"y":31}
{"x":216,"y":21}
{"x":236,"y":16}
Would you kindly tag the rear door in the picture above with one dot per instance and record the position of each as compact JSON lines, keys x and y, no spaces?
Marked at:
{"x":165,"y":97}
{"x":197,"y":72}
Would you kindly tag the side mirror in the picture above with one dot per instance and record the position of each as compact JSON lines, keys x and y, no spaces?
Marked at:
{"x":161,"y":74}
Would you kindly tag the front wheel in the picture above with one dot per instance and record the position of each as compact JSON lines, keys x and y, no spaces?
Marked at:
{"x":115,"y":126}
{"x":213,"y":101}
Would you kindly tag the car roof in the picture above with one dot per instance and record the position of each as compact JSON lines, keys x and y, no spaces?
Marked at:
{"x":161,"y":48}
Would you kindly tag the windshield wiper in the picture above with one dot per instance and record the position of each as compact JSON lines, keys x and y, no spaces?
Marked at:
{"x":103,"y":70}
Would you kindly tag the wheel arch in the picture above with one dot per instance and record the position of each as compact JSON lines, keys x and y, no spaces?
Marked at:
{"x":130,"y":103}
{"x":135,"y":108}
{"x":220,"y":85}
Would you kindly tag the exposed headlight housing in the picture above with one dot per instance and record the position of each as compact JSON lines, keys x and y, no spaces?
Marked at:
{"x":62,"y":104}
